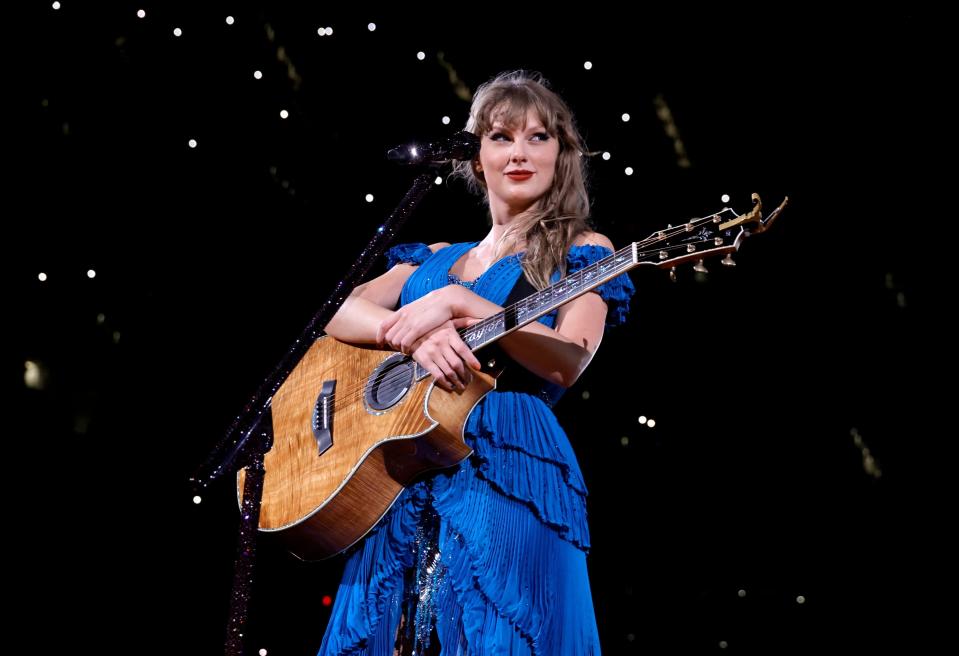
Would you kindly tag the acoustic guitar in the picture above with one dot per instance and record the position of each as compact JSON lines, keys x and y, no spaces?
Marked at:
{"x":353,"y":425}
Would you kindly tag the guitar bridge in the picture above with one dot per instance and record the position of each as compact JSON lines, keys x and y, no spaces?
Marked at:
{"x":322,"y":422}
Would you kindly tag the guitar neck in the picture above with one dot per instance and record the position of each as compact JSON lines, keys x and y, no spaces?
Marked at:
{"x":715,"y":234}
{"x":548,"y":299}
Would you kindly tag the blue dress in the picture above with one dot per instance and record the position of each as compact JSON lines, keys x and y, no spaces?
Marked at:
{"x":488,"y":557}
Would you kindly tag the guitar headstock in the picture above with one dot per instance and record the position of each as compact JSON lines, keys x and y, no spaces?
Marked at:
{"x":718,"y":234}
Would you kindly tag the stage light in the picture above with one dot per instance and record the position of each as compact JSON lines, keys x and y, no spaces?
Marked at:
{"x":800,"y":599}
{"x":421,"y":55}
{"x":725,"y":198}
{"x":629,"y":170}
{"x":197,"y":499}
{"x":741,"y":593}
{"x":284,"y":113}
{"x":257,"y":75}
{"x":371,"y":27}
{"x":606,"y":156}
{"x":588,"y":65}
{"x":369,"y":198}
{"x":446,"y":120}
{"x":141,"y":13}
{"x":624,"y":441}
{"x":42,"y":277}
{"x":229,"y":20}
{"x":651,"y":423}
{"x":625,"y":118}
{"x":55,"y":5}
{"x":91,"y":274}
{"x":438,"y":180}
{"x":191,"y":143}
{"x":642,"y":419}
{"x":177,"y":31}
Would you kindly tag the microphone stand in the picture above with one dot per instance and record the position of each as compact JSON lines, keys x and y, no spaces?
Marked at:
{"x":250,"y":435}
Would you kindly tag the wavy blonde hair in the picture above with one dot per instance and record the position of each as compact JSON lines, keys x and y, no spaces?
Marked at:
{"x":551,"y":225}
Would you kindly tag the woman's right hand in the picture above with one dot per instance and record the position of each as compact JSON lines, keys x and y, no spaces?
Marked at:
{"x":444,"y":354}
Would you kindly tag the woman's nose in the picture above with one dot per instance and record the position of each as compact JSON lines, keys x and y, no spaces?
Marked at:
{"x":519,"y":153}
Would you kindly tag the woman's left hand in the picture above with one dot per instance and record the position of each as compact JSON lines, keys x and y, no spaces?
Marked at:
{"x":407,"y":325}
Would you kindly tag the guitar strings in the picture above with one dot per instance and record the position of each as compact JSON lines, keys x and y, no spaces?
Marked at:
{"x":401,"y":371}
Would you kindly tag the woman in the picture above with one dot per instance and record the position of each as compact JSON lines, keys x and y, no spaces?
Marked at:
{"x":489,"y":557}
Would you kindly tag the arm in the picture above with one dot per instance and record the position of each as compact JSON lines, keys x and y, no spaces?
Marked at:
{"x":558,"y":354}
{"x":369,"y":304}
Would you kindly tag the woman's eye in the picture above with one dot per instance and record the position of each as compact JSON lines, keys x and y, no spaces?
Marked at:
{"x":498,"y":136}
{"x":541,"y":136}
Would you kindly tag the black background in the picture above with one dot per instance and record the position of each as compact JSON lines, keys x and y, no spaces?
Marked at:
{"x":209,"y":262}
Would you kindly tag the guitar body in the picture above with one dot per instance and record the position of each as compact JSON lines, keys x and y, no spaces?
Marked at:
{"x":325,"y":497}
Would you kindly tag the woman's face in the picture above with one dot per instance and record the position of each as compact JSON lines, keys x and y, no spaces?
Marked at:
{"x":518,"y":163}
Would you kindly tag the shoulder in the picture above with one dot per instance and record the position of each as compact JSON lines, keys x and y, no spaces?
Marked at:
{"x":438,"y":246}
{"x":589,"y":238}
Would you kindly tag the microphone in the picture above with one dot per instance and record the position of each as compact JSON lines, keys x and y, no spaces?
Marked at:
{"x":462,"y":145}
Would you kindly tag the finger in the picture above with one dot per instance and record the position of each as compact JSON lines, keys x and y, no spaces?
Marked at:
{"x":439,"y":377}
{"x":451,"y":378}
{"x":465,"y":353}
{"x":384,"y":328}
{"x":465,"y":322}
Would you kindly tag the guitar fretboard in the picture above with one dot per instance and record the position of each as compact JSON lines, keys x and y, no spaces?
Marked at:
{"x":548,"y":299}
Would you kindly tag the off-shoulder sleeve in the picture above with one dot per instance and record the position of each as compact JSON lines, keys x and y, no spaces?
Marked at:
{"x":616,"y":292}
{"x":407,"y":254}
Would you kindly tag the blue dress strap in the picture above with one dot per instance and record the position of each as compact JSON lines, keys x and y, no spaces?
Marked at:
{"x":616,"y":292}
{"x":412,"y":253}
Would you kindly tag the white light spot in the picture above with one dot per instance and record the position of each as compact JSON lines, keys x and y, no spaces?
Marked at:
{"x":101,"y":318}
{"x":446,"y":120}
{"x":177,"y":31}
{"x":263,"y":652}
{"x":725,"y":198}
{"x":141,"y":13}
{"x":421,"y":55}
{"x":630,"y":636}
{"x":606,"y":156}
{"x":91,"y":274}
{"x":741,"y":594}
{"x":651,"y":423}
{"x":42,"y":277}
{"x":32,"y":375}
{"x":55,"y":5}
{"x":642,"y":419}
{"x":321,"y":31}
{"x":629,"y":170}
{"x":284,"y":113}
{"x":116,"y":336}
{"x":586,"y":395}
{"x":723,"y":644}
{"x":438,"y":180}
{"x":624,"y":441}
{"x":191,"y":143}
{"x":369,"y":198}
{"x":257,"y":75}
{"x":229,"y":20}
{"x":197,"y":499}
{"x":625,"y":118}
{"x":588,"y":65}
{"x":329,"y":31}
{"x":800,"y":599}
{"x":371,"y":27}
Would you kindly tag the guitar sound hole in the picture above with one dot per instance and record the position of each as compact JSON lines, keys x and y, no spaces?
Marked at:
{"x":390,"y":382}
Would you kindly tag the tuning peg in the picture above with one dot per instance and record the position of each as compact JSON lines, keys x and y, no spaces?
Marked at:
{"x":699,"y":267}
{"x":728,"y":260}
{"x":672,"y":274}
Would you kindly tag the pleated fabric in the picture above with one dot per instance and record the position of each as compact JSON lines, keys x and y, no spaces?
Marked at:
{"x":488,"y":557}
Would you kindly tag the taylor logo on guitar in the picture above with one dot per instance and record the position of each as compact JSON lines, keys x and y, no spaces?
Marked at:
{"x":353,"y":425}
